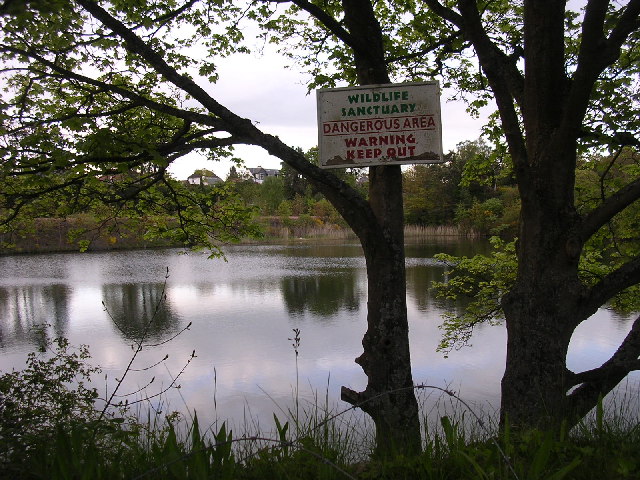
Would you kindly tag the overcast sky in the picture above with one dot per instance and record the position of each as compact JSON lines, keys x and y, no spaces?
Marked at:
{"x":263,"y":89}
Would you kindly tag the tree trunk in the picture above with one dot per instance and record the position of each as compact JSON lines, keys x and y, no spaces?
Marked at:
{"x":534,"y":382}
{"x":540,"y":308}
{"x":543,"y":307}
{"x":389,"y":397}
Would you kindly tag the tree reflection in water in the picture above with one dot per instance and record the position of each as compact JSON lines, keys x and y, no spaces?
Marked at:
{"x":139,"y":309}
{"x":321,"y":294}
{"x":33,"y":314}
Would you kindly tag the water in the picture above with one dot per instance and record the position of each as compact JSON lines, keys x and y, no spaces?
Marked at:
{"x":242,"y":314}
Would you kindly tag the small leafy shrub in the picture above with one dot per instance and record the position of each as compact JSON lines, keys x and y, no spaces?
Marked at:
{"x":50,"y":392}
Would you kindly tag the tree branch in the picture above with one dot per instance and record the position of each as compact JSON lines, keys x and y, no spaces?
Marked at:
{"x":351,"y":205}
{"x":331,"y":24}
{"x":443,"y":42}
{"x":600,"y":381}
{"x":612,"y":284}
{"x":598,"y":217}
{"x":101,"y":114}
{"x":595,"y":55}
{"x":504,"y":78}
{"x":629,"y":21}
{"x":125,"y":93}
{"x":170,"y":15}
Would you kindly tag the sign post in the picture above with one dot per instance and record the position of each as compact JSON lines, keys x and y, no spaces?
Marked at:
{"x":391,"y":124}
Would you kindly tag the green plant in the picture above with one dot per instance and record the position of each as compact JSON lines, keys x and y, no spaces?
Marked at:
{"x":49,"y":425}
{"x":50,"y":393}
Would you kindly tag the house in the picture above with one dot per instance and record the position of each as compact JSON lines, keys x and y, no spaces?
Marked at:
{"x":259,"y":174}
{"x":207,"y":180}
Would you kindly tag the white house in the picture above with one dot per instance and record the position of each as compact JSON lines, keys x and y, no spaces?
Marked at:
{"x":207,"y":180}
{"x":259,"y":174}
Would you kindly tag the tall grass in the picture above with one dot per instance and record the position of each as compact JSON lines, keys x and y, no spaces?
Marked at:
{"x":317,"y":441}
{"x":430,"y":231}
{"x":305,"y":227}
{"x":63,"y":437}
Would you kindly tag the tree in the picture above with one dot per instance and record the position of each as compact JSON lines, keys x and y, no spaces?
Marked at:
{"x":102,"y":88}
{"x":112,"y":85}
{"x":271,"y":195}
{"x":294,"y":182}
{"x":563,"y":82}
{"x":431,"y":193}
{"x":470,"y":175}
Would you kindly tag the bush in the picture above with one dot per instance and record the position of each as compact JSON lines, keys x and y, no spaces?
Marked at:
{"x":50,"y":393}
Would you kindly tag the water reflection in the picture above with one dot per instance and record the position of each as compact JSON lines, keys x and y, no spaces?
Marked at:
{"x":420,"y":277}
{"x":243,"y":311}
{"x":140,"y":310}
{"x":26,"y":309}
{"x":322,"y":295}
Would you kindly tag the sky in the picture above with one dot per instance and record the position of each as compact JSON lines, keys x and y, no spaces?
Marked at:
{"x":262,"y":88}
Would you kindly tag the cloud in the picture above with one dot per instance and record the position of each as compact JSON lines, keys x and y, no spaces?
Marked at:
{"x":263,"y":89}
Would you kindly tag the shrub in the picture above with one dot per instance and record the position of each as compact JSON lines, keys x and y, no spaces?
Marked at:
{"x":51,"y":392}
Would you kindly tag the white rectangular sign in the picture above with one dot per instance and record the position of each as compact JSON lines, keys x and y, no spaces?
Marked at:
{"x":390,"y":124}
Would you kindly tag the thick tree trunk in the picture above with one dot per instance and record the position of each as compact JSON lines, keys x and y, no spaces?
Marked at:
{"x":542,"y":309}
{"x":389,"y":397}
{"x":535,"y":379}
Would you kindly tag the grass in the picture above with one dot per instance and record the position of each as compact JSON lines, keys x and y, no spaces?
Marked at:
{"x":50,"y":429}
{"x":133,"y":451}
{"x":55,"y":234}
{"x":316,"y":442}
{"x":422,"y":231}
{"x":306,"y":227}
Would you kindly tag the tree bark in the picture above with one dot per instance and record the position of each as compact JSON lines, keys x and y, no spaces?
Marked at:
{"x":389,"y":397}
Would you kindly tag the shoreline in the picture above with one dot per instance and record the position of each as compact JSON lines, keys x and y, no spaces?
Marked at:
{"x":84,"y":234}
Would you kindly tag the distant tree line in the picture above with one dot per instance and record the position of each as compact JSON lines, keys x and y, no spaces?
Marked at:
{"x":474,"y":189}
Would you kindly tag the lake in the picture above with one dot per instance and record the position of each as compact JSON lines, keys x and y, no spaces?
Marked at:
{"x":242,"y":313}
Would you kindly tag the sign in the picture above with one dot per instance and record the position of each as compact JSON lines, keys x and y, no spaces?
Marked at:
{"x":390,"y":124}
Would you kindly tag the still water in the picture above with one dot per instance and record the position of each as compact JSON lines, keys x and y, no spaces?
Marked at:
{"x":242,"y":313}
